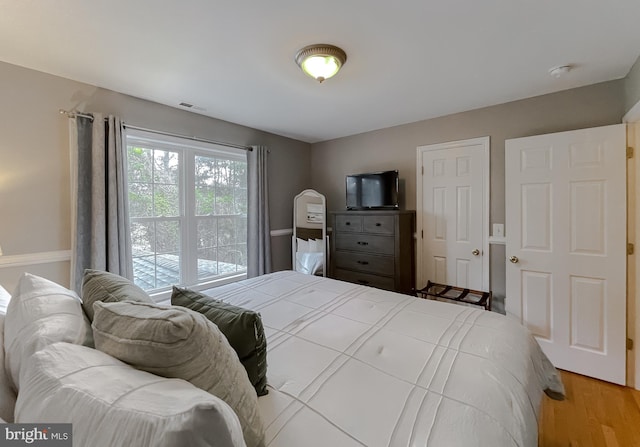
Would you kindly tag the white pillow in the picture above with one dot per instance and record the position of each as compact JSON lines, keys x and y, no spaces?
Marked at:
{"x":309,"y":246}
{"x":5,"y":297}
{"x":111,"y":404}
{"x":315,"y":245}
{"x":7,"y":395}
{"x":41,"y":313}
{"x":309,"y":263}
{"x":302,"y":245}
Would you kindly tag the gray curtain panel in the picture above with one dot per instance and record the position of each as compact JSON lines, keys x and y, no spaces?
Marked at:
{"x":258,"y":228}
{"x":100,"y":237}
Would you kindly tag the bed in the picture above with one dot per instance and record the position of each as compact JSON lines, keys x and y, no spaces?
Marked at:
{"x":350,"y":365}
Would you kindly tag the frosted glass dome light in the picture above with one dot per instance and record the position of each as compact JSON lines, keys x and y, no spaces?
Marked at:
{"x":321,"y":61}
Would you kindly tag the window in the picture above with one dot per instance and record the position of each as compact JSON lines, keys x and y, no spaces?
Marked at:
{"x":187,"y":210}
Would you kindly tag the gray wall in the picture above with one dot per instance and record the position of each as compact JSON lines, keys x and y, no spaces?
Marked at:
{"x":34,"y":161}
{"x":632,"y":86}
{"x":395,"y":147}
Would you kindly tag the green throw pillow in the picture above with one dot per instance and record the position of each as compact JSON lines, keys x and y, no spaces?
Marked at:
{"x":242,"y":327}
{"x":108,"y":288}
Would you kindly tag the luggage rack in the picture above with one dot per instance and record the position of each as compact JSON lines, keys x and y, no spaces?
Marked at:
{"x":458,"y":294}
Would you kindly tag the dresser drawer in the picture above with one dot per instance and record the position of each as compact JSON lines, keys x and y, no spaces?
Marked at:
{"x":374,"y":247}
{"x":379,"y":224}
{"x":367,"y":243}
{"x":352,"y":224}
{"x":381,"y":282}
{"x":382,"y":265}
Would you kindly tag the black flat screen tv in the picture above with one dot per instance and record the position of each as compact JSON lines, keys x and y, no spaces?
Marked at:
{"x":374,"y":190}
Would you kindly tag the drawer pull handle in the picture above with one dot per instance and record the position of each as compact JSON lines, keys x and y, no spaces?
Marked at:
{"x":347,"y":223}
{"x":362,"y":281}
{"x":378,"y":224}
{"x":362,"y":243}
{"x":363,"y":262}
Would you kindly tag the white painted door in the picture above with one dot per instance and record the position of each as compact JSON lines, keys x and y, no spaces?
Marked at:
{"x":566,"y":246}
{"x":453,"y":210}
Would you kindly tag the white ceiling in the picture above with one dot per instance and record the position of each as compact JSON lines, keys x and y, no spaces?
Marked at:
{"x":408,"y":60}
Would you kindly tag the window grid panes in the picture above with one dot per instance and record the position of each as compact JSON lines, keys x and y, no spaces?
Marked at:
{"x":221,"y":210}
{"x":188,"y":212}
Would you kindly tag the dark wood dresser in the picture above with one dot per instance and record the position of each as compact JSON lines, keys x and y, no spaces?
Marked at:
{"x":374,"y":248}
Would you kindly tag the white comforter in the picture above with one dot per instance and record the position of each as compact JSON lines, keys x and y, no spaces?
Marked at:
{"x":350,"y":365}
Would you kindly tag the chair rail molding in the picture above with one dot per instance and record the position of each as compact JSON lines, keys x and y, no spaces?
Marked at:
{"x":45,"y":257}
{"x":282,"y":232}
{"x":289,"y":232}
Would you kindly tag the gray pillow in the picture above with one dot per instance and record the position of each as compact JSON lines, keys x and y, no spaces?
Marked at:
{"x":178,"y":342}
{"x":108,"y":288}
{"x":242,"y":327}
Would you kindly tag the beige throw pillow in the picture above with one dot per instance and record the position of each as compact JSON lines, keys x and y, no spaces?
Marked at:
{"x":108,"y":287}
{"x":178,"y":342}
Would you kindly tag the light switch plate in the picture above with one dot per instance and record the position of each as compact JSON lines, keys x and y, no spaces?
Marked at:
{"x":498,"y":230}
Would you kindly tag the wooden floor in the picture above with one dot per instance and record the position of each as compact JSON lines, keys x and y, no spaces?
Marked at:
{"x":594,"y":414}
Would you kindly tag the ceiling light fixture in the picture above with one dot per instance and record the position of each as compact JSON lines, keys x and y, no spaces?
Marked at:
{"x":560,"y":71}
{"x":321,"y":61}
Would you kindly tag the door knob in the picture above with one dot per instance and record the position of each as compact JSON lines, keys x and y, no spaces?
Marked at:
{"x":514,"y":259}
{"x":475,"y":252}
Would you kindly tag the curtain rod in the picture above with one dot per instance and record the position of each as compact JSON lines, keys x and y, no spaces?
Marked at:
{"x":72,"y":114}
{"x":188,"y":137}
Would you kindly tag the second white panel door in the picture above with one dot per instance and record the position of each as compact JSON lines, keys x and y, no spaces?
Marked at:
{"x":566,"y":246}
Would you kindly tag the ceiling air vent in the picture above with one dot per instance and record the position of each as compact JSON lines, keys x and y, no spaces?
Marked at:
{"x":186,"y":105}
